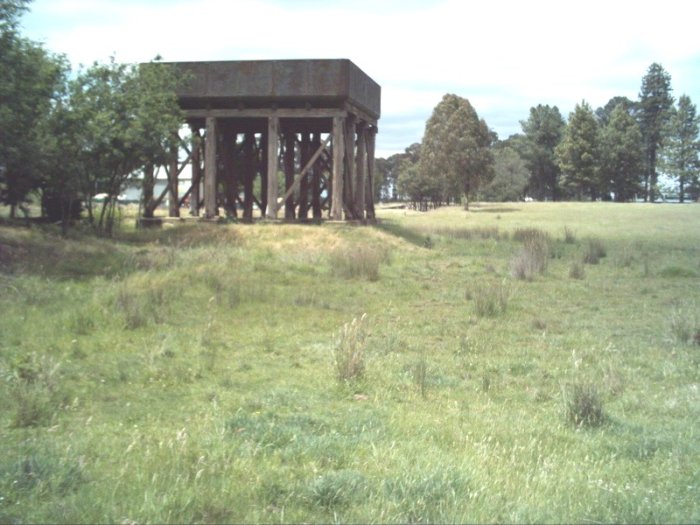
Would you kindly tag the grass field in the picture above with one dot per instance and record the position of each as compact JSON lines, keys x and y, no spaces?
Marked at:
{"x":518,"y":363}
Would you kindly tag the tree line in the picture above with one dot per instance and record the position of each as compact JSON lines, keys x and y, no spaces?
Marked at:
{"x":66,"y":136}
{"x":613,"y":153}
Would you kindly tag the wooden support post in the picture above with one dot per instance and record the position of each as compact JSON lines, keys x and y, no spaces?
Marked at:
{"x":288,"y":161}
{"x":361,"y":170}
{"x":316,"y":180}
{"x":174,"y":200}
{"x":229,"y":174}
{"x":304,"y":182}
{"x":211,"y":209}
{"x":248,"y":175}
{"x":350,"y":168}
{"x":371,"y":148}
{"x":196,"y":172}
{"x":338,"y":165}
{"x":272,"y":165}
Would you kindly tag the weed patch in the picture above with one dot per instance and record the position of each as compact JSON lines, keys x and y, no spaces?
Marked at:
{"x":534,"y":256}
{"x":491,"y":299}
{"x":358,"y":261}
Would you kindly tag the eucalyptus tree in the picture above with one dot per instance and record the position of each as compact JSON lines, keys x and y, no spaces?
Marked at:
{"x":543,"y":130}
{"x":456,"y":149}
{"x":655,"y":105}
{"x":510,"y":176}
{"x":578,"y":154}
{"x":621,"y":156}
{"x":681,"y":152}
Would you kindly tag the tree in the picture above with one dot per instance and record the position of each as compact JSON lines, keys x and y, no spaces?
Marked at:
{"x":621,"y":155}
{"x":388,"y":172}
{"x":456,"y":148}
{"x":542,"y":133}
{"x":655,"y":104}
{"x":510,"y":177}
{"x":681,"y":153}
{"x":129,"y":118}
{"x":577,"y":154}
{"x":30,"y":77}
{"x":604,"y":114}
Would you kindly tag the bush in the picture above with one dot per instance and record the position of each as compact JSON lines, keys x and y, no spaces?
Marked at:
{"x":683,"y":326}
{"x":577,"y":271}
{"x":583,"y":405}
{"x":349,"y":351}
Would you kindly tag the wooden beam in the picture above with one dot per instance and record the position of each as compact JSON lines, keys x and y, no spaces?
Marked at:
{"x":338,"y":165}
{"x":173,"y":173}
{"x":350,"y":179}
{"x":361,"y":169}
{"x":273,"y":142}
{"x":371,"y":147}
{"x":266,"y":113}
{"x":210,"y":167}
{"x":288,"y":162}
{"x":196,"y":173}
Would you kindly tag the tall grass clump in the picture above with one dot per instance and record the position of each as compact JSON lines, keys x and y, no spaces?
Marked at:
{"x":34,"y":389}
{"x":358,"y":261}
{"x":583,"y":405}
{"x":349,"y":350}
{"x":595,"y":251}
{"x":491,"y":299}
{"x":533,"y":257}
{"x":683,"y":326}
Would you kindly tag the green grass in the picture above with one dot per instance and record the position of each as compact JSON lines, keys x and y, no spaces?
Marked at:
{"x":191,"y":374}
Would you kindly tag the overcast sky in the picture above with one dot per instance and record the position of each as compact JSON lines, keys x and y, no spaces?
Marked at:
{"x":504,"y":56}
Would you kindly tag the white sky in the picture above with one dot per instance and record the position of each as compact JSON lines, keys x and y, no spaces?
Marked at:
{"x":504,"y":56}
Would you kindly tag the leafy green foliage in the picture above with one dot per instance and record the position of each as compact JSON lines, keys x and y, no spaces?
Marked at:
{"x":511,"y":177}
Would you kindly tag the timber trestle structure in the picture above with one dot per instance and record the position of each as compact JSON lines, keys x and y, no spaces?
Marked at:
{"x":291,"y":134}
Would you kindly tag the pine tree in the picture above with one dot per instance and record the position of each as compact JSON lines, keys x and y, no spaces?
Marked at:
{"x":655,"y":104}
{"x":681,"y":152}
{"x":542,"y":133}
{"x":621,"y":155}
{"x":578,"y":155}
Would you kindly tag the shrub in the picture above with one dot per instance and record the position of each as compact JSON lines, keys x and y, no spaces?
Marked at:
{"x":595,"y":251}
{"x":583,"y":405}
{"x":349,"y":351}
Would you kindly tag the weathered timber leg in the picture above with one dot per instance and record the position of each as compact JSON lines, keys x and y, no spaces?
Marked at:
{"x":371,"y":147}
{"x":196,"y":172}
{"x":361,"y":170}
{"x":249,"y":165}
{"x":289,"y":143}
{"x":304,"y":182}
{"x":338,"y":168}
{"x":174,"y":200}
{"x":350,"y":168}
{"x":272,"y":165}
{"x":316,"y":180}
{"x":229,"y":177}
{"x":211,"y":209}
